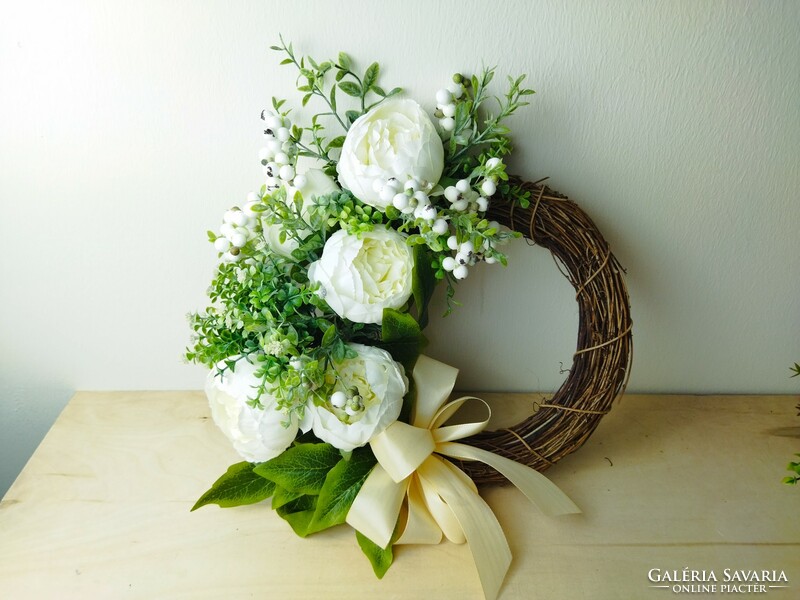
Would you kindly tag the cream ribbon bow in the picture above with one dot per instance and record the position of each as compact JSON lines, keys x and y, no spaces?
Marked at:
{"x":440,"y":497}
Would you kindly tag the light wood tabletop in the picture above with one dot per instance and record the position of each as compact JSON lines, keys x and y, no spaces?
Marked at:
{"x":668,"y":484}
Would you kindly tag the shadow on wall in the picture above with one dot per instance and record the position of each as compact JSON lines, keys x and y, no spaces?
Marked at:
{"x":27,"y":411}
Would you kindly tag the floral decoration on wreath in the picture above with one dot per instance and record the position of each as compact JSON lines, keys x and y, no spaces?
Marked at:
{"x":314,"y":331}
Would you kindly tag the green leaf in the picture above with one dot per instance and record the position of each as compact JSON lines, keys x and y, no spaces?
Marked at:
{"x":381,"y":558}
{"x":299,"y":513}
{"x":344,"y":61}
{"x":423,"y":283}
{"x":238,"y":486}
{"x":352,"y":115}
{"x":371,"y":76}
{"x":341,"y":487}
{"x":301,"y":468}
{"x":402,"y":337}
{"x":282,"y":497}
{"x":329,"y":336}
{"x":350,"y":88}
{"x":337,"y":142}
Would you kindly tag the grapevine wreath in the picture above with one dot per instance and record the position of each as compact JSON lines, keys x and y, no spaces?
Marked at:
{"x":314,"y":333}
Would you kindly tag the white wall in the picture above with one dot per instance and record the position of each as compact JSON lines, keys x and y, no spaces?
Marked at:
{"x":127,"y":128}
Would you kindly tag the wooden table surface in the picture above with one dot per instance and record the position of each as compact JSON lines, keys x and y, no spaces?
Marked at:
{"x":666,"y":482}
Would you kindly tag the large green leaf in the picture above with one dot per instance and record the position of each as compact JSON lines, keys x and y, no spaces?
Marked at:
{"x":299,"y":513}
{"x":238,"y":486}
{"x":402,"y":337}
{"x":341,"y":487}
{"x":423,"y":282}
{"x":301,"y":468}
{"x":381,"y":558}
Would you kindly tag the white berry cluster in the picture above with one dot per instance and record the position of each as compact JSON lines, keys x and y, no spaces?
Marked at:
{"x":411,"y":199}
{"x":351,"y":403}
{"x":239,"y":226}
{"x":279,"y":154}
{"x":446,"y":103}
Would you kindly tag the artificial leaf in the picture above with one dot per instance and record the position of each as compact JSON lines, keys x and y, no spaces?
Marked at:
{"x":341,"y":487}
{"x":282,"y":497}
{"x":350,"y":88}
{"x":381,"y":558}
{"x":423,"y":283}
{"x":299,"y":513}
{"x":402,"y":337}
{"x":301,"y":468}
{"x":238,"y":486}
{"x":371,"y":76}
{"x":344,"y":61}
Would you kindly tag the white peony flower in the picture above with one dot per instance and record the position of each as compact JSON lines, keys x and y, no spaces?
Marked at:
{"x":376,"y":383}
{"x":394,"y":139}
{"x":315,"y":183}
{"x":361,"y":275}
{"x":257,"y":434}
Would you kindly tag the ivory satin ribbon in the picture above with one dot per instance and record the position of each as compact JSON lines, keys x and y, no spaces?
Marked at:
{"x":439,"y":497}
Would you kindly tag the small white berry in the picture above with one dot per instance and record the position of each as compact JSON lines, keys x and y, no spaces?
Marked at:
{"x":462,"y":204}
{"x":227,"y":230}
{"x":393,"y":183}
{"x":400,"y":201}
{"x":456,"y":89}
{"x":462,"y":258}
{"x":449,"y":110}
{"x":493,"y":163}
{"x":282,"y":134}
{"x":490,"y":260}
{"x":452,"y":242}
{"x":274,"y":146}
{"x":467,"y":247}
{"x":444,"y":96}
{"x":300,"y":181}
{"x":281,"y":158}
{"x":239,"y":218}
{"x":286,"y":173}
{"x":273,"y":122}
{"x":238,"y":240}
{"x":451,"y":193}
{"x":425,"y":211}
{"x":272,"y":182}
{"x":338,"y":399}
{"x":412,"y":185}
{"x":440,"y":227}
{"x":488,"y":187}
{"x":460,"y":272}
{"x":448,"y":123}
{"x":264,"y":154}
{"x":483,"y":204}
{"x":421,"y":197}
{"x":449,"y":263}
{"x":387,"y":193}
{"x":462,"y":185}
{"x":222,"y":244}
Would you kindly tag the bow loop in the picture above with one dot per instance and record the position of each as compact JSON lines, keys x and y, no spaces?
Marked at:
{"x":440,"y":499}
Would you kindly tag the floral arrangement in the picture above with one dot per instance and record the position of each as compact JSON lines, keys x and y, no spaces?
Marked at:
{"x":314,"y":331}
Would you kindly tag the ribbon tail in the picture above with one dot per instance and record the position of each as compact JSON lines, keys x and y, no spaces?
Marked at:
{"x":539,"y":489}
{"x":420,"y":526}
{"x":482,"y":530}
{"x":376,"y":507}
